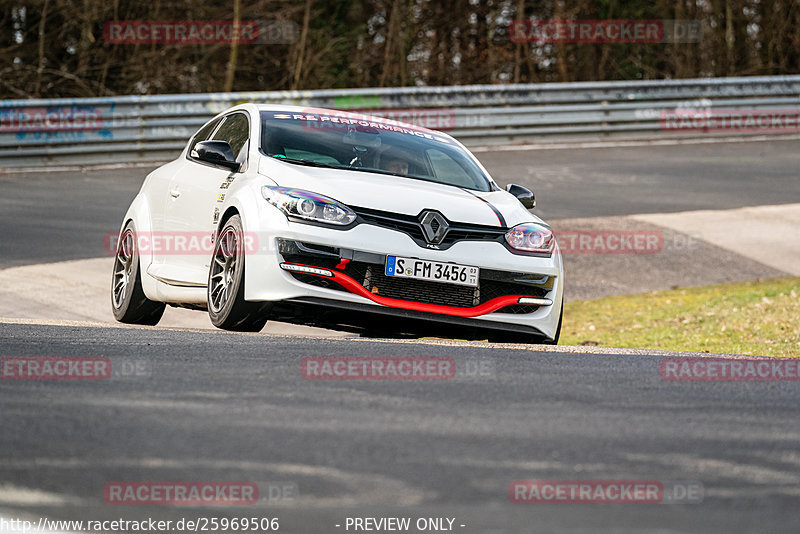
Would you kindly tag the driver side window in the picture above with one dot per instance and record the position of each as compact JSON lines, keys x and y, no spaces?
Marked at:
{"x":203,"y":133}
{"x":235,"y":130}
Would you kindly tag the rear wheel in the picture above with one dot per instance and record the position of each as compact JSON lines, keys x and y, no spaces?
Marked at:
{"x":128,"y":301}
{"x":226,"y":305}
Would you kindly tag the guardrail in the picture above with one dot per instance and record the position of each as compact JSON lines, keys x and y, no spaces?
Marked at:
{"x":156,"y":128}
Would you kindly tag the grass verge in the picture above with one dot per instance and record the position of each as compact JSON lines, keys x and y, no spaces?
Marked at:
{"x":759,"y":318}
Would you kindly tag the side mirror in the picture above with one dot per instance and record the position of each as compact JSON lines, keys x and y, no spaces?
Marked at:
{"x":216,"y":152}
{"x":523,"y":194}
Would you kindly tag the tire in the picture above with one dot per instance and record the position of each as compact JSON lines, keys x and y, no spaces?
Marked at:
{"x":226,"y":305}
{"x":128,"y":301}
{"x":512,"y":337}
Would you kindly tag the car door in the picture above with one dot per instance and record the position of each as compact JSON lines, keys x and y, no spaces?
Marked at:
{"x":194,"y":192}
{"x":159,"y":188}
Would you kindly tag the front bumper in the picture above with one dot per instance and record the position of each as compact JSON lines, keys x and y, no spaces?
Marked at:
{"x":355,"y":259}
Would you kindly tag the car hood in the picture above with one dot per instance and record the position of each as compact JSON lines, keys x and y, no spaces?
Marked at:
{"x":400,"y":195}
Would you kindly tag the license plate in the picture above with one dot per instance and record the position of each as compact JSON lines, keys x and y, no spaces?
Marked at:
{"x":434,"y":271}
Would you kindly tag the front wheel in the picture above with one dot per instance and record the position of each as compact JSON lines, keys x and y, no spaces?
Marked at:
{"x":226,"y":305}
{"x":128,"y":301}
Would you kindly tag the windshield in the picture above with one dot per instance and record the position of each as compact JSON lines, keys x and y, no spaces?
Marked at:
{"x":345,"y":141}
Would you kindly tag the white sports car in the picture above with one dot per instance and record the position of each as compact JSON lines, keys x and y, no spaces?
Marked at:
{"x":321,"y":217}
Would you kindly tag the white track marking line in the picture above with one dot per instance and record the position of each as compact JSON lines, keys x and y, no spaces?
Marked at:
{"x":767,"y":234}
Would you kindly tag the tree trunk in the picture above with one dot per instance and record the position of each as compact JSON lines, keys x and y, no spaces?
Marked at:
{"x":391,"y":31}
{"x":40,"y":67}
{"x":301,"y":46}
{"x":231,"y":72}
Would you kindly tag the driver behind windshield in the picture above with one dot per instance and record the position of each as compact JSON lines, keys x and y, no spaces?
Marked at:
{"x":397,"y":166}
{"x":395,"y":163}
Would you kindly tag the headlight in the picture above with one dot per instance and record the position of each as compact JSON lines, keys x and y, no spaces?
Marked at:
{"x":308,"y":205}
{"x":530,"y":237}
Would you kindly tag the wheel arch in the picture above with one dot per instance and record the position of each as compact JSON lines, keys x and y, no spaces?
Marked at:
{"x":229,"y":212}
{"x":259,"y":221}
{"x":140,"y":214}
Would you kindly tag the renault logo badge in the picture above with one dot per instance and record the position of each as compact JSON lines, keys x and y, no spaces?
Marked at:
{"x":435,"y":227}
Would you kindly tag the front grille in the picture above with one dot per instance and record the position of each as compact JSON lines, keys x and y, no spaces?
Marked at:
{"x":493,"y":288}
{"x":318,"y":281}
{"x":371,"y":276}
{"x":476,"y":234}
{"x":408,"y":224}
{"x":518,"y":309}
{"x":411,"y":226}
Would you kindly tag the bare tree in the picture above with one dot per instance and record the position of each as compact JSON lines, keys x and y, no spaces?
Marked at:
{"x":57,"y":48}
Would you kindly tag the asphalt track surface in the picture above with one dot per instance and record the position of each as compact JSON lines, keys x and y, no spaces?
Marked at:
{"x":221,"y":407}
{"x":235,"y":407}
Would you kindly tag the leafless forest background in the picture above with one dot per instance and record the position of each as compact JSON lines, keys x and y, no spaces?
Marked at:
{"x":56,"y":48}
